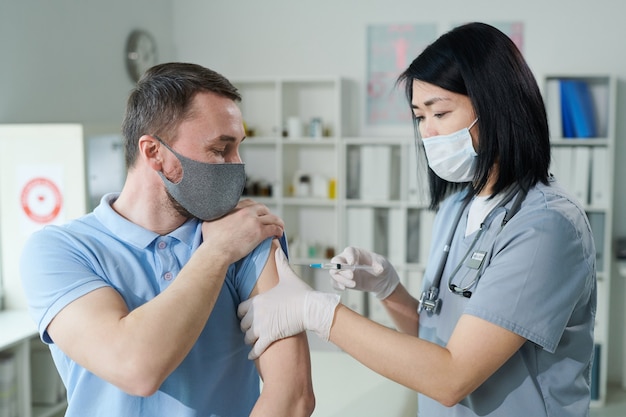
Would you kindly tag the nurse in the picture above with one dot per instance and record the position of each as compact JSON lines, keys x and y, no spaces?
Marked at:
{"x":504,"y":326}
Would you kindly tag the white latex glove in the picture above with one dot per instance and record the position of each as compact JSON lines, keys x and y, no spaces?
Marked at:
{"x":289,"y":308}
{"x":381,"y":279}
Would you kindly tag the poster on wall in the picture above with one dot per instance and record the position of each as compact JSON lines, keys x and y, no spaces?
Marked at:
{"x":40,"y":196}
{"x":42,"y":182}
{"x":390,"y":50}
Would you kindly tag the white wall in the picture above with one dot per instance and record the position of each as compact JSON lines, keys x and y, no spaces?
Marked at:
{"x":63,"y":60}
{"x":327,"y":37}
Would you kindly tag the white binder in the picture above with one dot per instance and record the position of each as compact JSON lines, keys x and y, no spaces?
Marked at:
{"x":600,"y":193}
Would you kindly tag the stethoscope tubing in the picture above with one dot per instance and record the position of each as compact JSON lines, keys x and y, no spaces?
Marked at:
{"x":517,"y":191}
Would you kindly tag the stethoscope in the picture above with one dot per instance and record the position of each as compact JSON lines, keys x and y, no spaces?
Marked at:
{"x":429,"y":300}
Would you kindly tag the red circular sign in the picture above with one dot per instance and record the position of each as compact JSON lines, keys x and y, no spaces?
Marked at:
{"x":41,"y":200}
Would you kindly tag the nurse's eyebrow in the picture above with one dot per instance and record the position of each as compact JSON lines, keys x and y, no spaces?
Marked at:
{"x":430,"y":102}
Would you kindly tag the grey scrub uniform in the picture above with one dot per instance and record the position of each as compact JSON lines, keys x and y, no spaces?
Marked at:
{"x":539,"y":281}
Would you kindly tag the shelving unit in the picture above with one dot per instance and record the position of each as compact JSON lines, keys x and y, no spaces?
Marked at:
{"x":375,"y":183}
{"x":384,"y":209}
{"x":17,"y":340}
{"x":302,"y":171}
{"x":585,"y":166}
{"x":342,"y":182}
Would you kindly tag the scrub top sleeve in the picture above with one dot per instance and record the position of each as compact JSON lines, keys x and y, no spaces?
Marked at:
{"x":540,"y":269}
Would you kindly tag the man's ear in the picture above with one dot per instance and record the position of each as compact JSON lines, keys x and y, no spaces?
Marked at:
{"x":150,"y":151}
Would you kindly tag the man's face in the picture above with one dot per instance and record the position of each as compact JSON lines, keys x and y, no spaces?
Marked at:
{"x":211,"y":134}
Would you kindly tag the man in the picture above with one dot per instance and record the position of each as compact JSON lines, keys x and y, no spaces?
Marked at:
{"x":138,"y":300}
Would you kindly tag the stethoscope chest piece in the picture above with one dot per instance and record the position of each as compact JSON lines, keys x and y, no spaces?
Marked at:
{"x":429,"y":301}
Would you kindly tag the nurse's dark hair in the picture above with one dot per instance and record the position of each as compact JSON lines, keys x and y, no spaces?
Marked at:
{"x":481,"y":62}
{"x":162,"y":99}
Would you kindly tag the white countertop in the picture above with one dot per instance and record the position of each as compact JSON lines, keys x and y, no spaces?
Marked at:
{"x":15,"y":327}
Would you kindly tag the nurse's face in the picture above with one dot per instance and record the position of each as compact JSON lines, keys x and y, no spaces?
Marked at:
{"x":441,"y":112}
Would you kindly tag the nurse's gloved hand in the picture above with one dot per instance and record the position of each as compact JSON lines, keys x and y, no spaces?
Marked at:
{"x":380,"y":278}
{"x":289,"y":308}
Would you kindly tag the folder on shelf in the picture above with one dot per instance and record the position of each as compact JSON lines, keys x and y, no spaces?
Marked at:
{"x":600,"y":193}
{"x":360,"y":227}
{"x":553,"y":107}
{"x":581,"y":168}
{"x":396,"y":243}
{"x":595,"y":373}
{"x":561,"y":166}
{"x":353,"y":168}
{"x":381,"y":231}
{"x":413,"y":233}
{"x":375,"y":172}
{"x":596,"y":221}
{"x":577,"y":109}
{"x":427,"y":218}
{"x":418,"y":188}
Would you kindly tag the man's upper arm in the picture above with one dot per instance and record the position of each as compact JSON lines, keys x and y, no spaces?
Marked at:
{"x":285,"y":366}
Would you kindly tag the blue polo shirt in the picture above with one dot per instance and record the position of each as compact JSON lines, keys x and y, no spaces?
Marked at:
{"x":102,"y":249}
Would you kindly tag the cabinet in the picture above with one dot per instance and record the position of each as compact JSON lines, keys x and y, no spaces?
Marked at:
{"x":581,"y":113}
{"x":292,"y":154}
{"x":20,"y":359}
{"x":336,"y":189}
{"x":384,"y":208}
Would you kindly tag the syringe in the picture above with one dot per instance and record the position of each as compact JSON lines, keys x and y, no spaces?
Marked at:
{"x":341,"y":266}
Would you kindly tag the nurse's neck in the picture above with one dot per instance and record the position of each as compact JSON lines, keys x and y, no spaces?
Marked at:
{"x":493,"y":176}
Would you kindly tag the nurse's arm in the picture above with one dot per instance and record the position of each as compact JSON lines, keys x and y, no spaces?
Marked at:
{"x":448,"y":374}
{"x":285,"y":366}
{"x":402,"y":308}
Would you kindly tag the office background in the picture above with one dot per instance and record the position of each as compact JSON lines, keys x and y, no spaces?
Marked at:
{"x":62,"y":60}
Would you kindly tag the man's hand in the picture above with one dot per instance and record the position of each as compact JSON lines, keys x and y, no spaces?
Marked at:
{"x":289,"y":308}
{"x":241,"y":230}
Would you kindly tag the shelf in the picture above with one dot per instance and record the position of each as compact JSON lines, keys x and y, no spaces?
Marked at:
{"x":16,"y":326}
{"x":579,"y":141}
{"x":395,"y":203}
{"x":585,"y":167}
{"x":309,"y":201}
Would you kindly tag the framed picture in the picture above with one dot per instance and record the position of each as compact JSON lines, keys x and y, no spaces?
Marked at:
{"x":391,"y":48}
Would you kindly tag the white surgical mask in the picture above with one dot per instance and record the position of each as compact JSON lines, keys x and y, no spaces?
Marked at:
{"x":452,"y":157}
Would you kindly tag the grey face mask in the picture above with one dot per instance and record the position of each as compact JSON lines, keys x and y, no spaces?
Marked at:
{"x":207,"y":191}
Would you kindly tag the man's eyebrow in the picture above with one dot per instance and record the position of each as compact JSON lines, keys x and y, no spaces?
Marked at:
{"x":226,"y":138}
